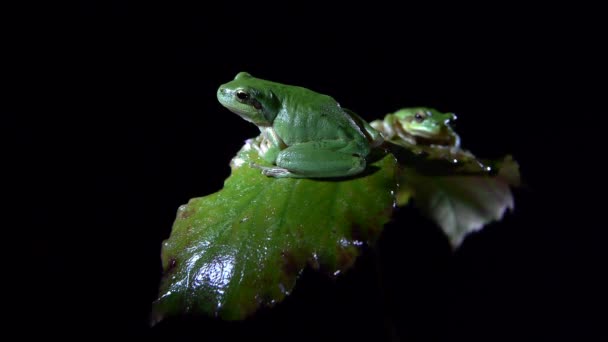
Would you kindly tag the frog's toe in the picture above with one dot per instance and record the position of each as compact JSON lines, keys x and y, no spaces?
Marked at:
{"x":276,"y":172}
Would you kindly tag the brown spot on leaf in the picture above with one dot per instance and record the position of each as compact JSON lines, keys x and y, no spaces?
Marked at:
{"x":346,"y":257}
{"x":172,"y":264}
{"x":290,"y":264}
{"x":185,"y":211}
{"x":313,"y":261}
{"x":388,"y":211}
{"x":268,"y":300}
{"x":356,"y":232}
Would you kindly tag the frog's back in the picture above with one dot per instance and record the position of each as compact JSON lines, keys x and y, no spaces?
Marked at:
{"x":309,"y":116}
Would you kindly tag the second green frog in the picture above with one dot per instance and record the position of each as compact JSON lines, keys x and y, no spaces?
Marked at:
{"x":419,"y":126}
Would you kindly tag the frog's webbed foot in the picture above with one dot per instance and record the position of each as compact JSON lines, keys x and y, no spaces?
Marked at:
{"x":276,"y":172}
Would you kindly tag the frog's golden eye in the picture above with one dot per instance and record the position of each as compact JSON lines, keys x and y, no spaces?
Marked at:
{"x":242,"y":95}
{"x":419,"y":117}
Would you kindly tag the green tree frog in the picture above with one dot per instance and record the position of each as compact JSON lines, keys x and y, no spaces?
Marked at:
{"x":419,"y":126}
{"x":305,"y":134}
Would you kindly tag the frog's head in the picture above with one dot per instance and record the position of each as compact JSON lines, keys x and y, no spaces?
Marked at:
{"x":426,"y":123}
{"x":251,"y":98}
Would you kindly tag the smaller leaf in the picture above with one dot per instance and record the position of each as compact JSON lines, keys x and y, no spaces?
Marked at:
{"x":456,"y":190}
{"x":461,"y":203}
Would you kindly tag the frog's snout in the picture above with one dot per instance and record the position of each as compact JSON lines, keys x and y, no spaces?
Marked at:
{"x":222,"y":93}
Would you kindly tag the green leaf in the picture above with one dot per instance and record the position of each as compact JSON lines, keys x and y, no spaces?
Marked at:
{"x":243,"y":247}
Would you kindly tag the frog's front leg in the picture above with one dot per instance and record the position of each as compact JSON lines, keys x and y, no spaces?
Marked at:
{"x":317,"y":160}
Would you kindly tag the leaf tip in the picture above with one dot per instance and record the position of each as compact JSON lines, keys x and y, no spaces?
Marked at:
{"x":155,"y":318}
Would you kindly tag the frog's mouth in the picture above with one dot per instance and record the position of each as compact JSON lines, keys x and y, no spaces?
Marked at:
{"x":421,"y":137}
{"x":246,"y":115}
{"x":238,"y":112}
{"x":421,"y":133}
{"x":412,"y":131}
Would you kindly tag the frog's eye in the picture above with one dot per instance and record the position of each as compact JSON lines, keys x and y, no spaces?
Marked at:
{"x":419,"y":117}
{"x":242,"y":95}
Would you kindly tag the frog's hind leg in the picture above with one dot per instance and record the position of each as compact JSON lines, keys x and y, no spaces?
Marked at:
{"x":317,"y":160}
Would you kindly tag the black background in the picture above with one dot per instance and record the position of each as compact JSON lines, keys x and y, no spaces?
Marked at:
{"x":116,"y":124}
